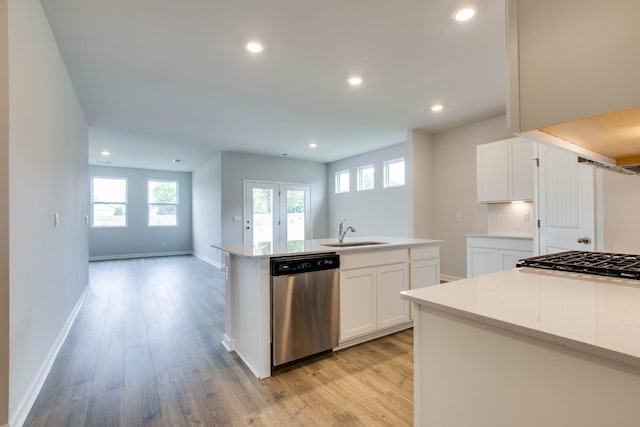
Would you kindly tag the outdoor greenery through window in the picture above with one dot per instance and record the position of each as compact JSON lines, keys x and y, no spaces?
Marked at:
{"x":109,"y":202}
{"x":365,"y":177}
{"x":394,"y":173}
{"x":163,"y":203}
{"x":342,"y":181}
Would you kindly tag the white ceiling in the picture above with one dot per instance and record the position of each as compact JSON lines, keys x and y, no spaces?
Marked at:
{"x":160,"y":80}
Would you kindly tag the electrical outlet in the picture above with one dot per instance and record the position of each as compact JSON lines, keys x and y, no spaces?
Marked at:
{"x":459,"y":217}
{"x":526,"y":217}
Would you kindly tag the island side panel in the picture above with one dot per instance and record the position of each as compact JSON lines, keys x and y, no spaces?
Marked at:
{"x":470,"y":373}
{"x":228,"y":339}
{"x":252,"y":313}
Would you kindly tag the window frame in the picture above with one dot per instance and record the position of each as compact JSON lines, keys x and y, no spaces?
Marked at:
{"x":125,"y":203}
{"x":338,"y":174}
{"x":387,"y":163}
{"x":150,"y":203}
{"x":361,"y":169}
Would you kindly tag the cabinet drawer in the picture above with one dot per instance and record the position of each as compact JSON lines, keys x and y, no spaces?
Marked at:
{"x":425,"y":252}
{"x":373,"y":258}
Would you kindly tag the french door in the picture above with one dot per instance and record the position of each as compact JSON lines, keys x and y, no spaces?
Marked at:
{"x":276,"y":212}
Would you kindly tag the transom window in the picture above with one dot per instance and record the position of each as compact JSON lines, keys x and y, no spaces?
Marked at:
{"x":108,"y":202}
{"x":162,"y":198}
{"x":342,"y":181}
{"x":366,"y":177}
{"x":394,"y":173}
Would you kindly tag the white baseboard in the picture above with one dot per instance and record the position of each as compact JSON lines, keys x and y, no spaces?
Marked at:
{"x":447,"y":278}
{"x":19,"y":417}
{"x":216,"y":264}
{"x":228,"y":343}
{"x":130,"y":256}
{"x":374,"y":335}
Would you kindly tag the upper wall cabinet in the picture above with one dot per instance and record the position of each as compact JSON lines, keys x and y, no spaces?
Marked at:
{"x":505,"y":170}
{"x":570,"y":59}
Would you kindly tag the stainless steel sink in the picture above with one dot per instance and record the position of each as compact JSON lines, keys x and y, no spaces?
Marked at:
{"x":350,"y":244}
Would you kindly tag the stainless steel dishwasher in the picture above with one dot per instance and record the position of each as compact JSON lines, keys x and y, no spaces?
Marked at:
{"x":305,"y":306}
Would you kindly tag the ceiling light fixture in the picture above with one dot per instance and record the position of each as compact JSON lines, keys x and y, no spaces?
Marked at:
{"x":105,"y":153}
{"x":464,"y":14}
{"x":355,"y":80}
{"x":436,"y":107}
{"x":176,"y":160}
{"x":254,"y":47}
{"x":313,"y":145}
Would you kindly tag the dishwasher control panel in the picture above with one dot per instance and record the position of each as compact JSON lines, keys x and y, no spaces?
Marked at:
{"x":281,"y":266}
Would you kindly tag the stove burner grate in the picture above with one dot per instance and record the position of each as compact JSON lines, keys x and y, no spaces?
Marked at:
{"x":599,"y":263}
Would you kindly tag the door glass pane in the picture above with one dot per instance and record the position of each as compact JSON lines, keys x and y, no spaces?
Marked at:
{"x":262,"y":217}
{"x":295,"y":215}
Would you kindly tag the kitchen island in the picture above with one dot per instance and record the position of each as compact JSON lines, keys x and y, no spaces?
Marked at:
{"x":371,"y":279}
{"x":527,"y":347}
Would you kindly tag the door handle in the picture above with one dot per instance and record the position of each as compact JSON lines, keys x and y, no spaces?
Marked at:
{"x":584,"y":240}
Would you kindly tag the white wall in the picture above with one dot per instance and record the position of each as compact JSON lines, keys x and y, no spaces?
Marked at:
{"x":377,"y":212}
{"x":206,"y":187}
{"x":48,"y":159}
{"x":454,"y":165}
{"x":619,"y":208}
{"x":237,"y":167}
{"x":4,"y":215}
{"x":510,"y":218}
{"x":137,"y":238}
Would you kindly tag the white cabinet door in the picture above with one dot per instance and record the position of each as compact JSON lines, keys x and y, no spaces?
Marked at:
{"x":481,"y":261}
{"x":425,"y":272}
{"x":505,"y":170}
{"x":391,"y":280}
{"x":493,"y":172}
{"x":358,"y":302}
{"x":521,"y":162}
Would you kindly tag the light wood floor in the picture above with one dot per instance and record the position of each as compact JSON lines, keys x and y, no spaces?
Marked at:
{"x":145,"y":350}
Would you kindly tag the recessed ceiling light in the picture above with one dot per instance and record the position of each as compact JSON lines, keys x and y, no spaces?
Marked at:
{"x":437,"y":107}
{"x":355,"y":80}
{"x":313,"y":145}
{"x":105,"y":153}
{"x":254,"y":47}
{"x":464,"y":14}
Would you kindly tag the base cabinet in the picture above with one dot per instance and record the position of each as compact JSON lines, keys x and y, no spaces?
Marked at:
{"x":488,"y":254}
{"x":370,"y":295}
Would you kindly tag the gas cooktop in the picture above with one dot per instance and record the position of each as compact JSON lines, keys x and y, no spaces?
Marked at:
{"x":599,"y":263}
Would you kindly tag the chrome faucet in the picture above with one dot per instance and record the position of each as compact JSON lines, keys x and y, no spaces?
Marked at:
{"x":343,"y":231}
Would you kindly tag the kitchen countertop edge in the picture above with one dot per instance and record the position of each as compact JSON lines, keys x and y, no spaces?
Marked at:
{"x":314,"y":246}
{"x":421,"y":297}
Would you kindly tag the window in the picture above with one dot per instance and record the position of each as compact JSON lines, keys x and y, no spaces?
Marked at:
{"x":162,"y":197}
{"x":108,"y":202}
{"x":394,"y":173}
{"x":365,"y":177}
{"x":342,"y":181}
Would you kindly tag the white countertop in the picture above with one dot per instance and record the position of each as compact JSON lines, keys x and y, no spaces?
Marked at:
{"x":301,"y":247}
{"x":589,"y":313}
